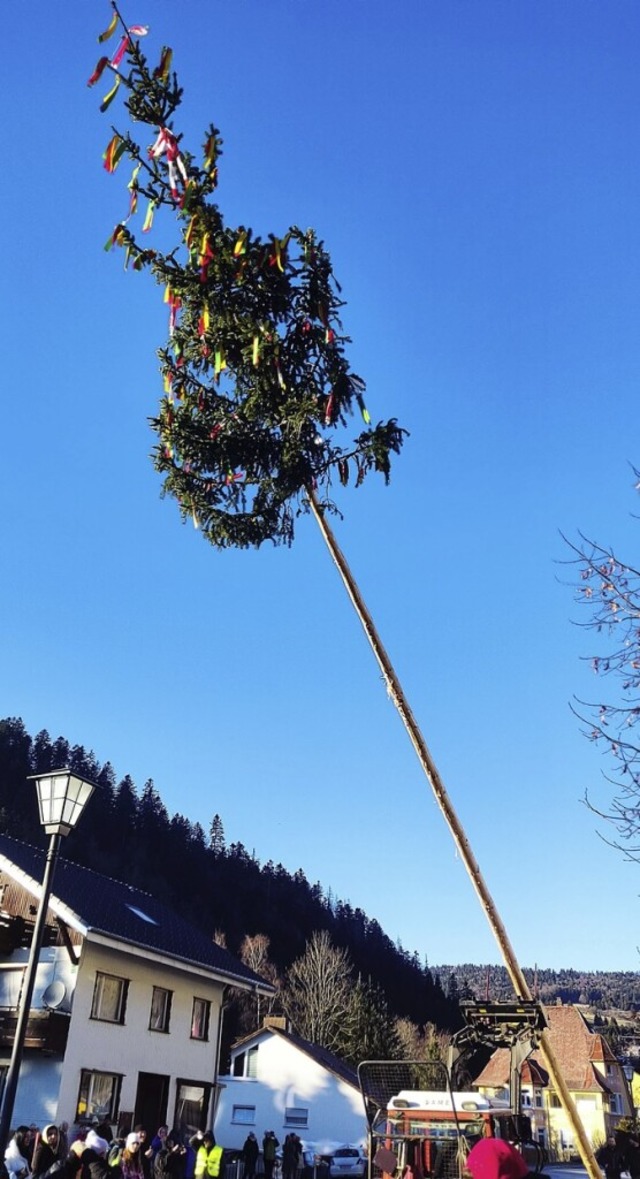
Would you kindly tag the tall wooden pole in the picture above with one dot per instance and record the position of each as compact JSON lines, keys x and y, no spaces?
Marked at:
{"x":394,"y":690}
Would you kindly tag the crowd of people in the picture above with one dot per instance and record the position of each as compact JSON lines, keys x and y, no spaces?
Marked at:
{"x":95,"y":1154}
{"x":291,"y":1160}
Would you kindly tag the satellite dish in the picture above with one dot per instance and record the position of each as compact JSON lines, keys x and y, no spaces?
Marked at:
{"x":54,"y":995}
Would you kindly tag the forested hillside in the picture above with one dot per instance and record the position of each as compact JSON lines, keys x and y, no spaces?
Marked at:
{"x":603,"y":989}
{"x":128,"y":834}
{"x":263,"y":912}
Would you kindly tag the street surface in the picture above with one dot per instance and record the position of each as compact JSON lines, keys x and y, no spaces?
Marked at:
{"x":565,"y":1171}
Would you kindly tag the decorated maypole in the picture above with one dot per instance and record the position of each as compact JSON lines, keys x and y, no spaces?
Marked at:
{"x":251,"y":429}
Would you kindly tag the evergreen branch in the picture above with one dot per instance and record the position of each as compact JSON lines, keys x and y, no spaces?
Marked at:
{"x":256,"y":378}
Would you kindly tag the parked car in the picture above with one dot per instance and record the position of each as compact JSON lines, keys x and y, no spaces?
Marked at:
{"x":333,"y":1160}
{"x":347,"y":1162}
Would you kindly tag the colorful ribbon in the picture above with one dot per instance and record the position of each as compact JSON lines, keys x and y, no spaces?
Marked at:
{"x":148,"y":217}
{"x":162,"y":70}
{"x":110,"y":30}
{"x":98,"y":72}
{"x":136,"y":31}
{"x":113,"y":152}
{"x":167,"y":145}
{"x":108,"y":98}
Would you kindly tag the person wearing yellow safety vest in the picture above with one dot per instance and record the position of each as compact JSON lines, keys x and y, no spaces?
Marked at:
{"x":208,"y":1158}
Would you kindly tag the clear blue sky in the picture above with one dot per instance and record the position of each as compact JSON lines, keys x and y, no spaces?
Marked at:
{"x":473,"y":168}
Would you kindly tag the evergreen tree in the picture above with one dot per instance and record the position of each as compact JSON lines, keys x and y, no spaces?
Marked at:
{"x":216,"y":836}
{"x":256,"y":381}
{"x":17,"y":797}
{"x":370,"y":1030}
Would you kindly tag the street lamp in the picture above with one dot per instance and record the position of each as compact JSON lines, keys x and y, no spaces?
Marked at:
{"x":62,"y":797}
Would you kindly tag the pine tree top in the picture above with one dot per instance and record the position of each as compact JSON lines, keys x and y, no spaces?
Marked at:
{"x":258,"y":390}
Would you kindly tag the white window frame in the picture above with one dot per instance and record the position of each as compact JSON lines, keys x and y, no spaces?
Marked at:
{"x":243,"y":1115}
{"x":296,"y":1115}
{"x":99,"y":1003}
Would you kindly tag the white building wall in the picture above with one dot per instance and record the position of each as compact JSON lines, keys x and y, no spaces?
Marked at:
{"x":37,"y":1096}
{"x":287,"y":1077}
{"x":131,"y":1048}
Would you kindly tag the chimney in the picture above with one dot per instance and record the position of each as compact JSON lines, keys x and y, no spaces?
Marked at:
{"x":277,"y":1021}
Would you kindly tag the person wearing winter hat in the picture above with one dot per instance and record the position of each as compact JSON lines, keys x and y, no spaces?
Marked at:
{"x":16,"y":1155}
{"x":131,"y":1162}
{"x":94,"y":1161}
{"x":493,"y":1158}
{"x":47,"y":1150}
{"x":96,"y":1143}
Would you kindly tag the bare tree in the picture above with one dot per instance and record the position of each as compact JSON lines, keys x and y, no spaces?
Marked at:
{"x":253,"y":1008}
{"x":317,"y":995}
{"x":608,"y":593}
{"x":428,"y":1043}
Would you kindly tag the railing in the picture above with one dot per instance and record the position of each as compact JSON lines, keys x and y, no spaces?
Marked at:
{"x":46,"y":1030}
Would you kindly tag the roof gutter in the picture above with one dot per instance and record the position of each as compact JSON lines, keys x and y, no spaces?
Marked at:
{"x":99,"y":937}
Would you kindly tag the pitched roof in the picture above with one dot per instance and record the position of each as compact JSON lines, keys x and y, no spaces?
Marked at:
{"x":495,"y":1073}
{"x":533,"y":1073}
{"x":575,"y":1047}
{"x":322,"y":1056}
{"x":93,"y":903}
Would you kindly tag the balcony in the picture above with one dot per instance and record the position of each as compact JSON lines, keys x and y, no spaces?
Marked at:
{"x":47,"y":1031}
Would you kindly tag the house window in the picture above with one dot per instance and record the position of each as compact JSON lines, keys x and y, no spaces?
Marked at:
{"x":554,"y":1101}
{"x":192,"y":1107}
{"x":98,"y":1096}
{"x":109,"y":998}
{"x":296,"y":1115}
{"x":244,"y":1115}
{"x":160,"y":1010}
{"x":245,"y":1064}
{"x":200,"y":1019}
{"x":526,"y":1099}
{"x":538,"y":1099}
{"x":616,"y":1103}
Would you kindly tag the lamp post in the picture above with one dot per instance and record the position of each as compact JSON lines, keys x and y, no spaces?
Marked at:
{"x":62,"y":797}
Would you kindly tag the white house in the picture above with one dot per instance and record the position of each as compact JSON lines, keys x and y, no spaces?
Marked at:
{"x":125,"y":1018}
{"x":283,"y":1083}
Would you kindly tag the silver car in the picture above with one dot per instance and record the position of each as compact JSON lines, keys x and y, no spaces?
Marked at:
{"x":347,"y":1162}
